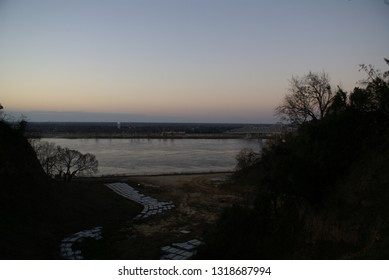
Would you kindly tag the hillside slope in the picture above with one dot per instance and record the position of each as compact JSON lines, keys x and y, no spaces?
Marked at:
{"x":24,"y":199}
{"x":321,"y":194}
{"x":36,"y":213}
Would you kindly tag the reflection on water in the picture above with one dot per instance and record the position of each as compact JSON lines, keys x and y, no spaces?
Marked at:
{"x":159,"y":156}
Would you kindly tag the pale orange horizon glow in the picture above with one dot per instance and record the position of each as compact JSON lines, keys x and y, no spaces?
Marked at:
{"x":203,"y":60}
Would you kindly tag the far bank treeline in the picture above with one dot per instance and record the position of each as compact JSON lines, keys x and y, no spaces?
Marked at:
{"x":323,"y":191}
{"x":130,"y":130}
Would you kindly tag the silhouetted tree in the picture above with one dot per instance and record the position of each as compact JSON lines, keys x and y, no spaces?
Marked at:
{"x":72,"y":162}
{"x":63,"y":162}
{"x":309,"y":98}
{"x":339,"y":103}
{"x":47,"y":155}
{"x":374,"y":95}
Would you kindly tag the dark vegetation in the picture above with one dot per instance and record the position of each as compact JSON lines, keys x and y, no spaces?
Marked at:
{"x":37,"y":212}
{"x":323,"y":191}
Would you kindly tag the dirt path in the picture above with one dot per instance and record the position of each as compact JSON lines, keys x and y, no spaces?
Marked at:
{"x":199,"y":199}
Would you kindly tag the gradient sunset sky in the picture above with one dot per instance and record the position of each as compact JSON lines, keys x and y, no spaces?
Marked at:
{"x":178,"y":60}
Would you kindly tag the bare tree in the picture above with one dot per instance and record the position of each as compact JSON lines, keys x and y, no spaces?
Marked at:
{"x":47,"y":155}
{"x":308,"y":99}
{"x":63,"y":162}
{"x":72,"y":162}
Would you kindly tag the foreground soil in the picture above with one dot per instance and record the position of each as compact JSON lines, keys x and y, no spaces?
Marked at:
{"x":199,"y":199}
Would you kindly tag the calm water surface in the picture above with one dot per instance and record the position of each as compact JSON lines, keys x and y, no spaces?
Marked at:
{"x":160,"y":156}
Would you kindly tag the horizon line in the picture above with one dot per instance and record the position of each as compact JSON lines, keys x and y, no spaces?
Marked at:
{"x":111,"y":117}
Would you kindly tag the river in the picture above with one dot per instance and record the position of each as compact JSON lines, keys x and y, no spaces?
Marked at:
{"x":160,"y":156}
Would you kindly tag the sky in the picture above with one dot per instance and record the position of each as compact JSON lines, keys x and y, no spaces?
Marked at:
{"x":178,"y":60}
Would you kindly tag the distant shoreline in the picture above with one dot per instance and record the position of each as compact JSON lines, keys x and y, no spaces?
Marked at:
{"x":123,"y":176}
{"x":149,"y":131}
{"x":128,"y":136}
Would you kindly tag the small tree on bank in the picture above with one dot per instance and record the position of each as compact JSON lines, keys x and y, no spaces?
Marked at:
{"x":72,"y":162}
{"x":63,"y":162}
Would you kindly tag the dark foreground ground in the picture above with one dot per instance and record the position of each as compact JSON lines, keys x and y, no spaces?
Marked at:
{"x":87,"y":203}
{"x":36,"y":234}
